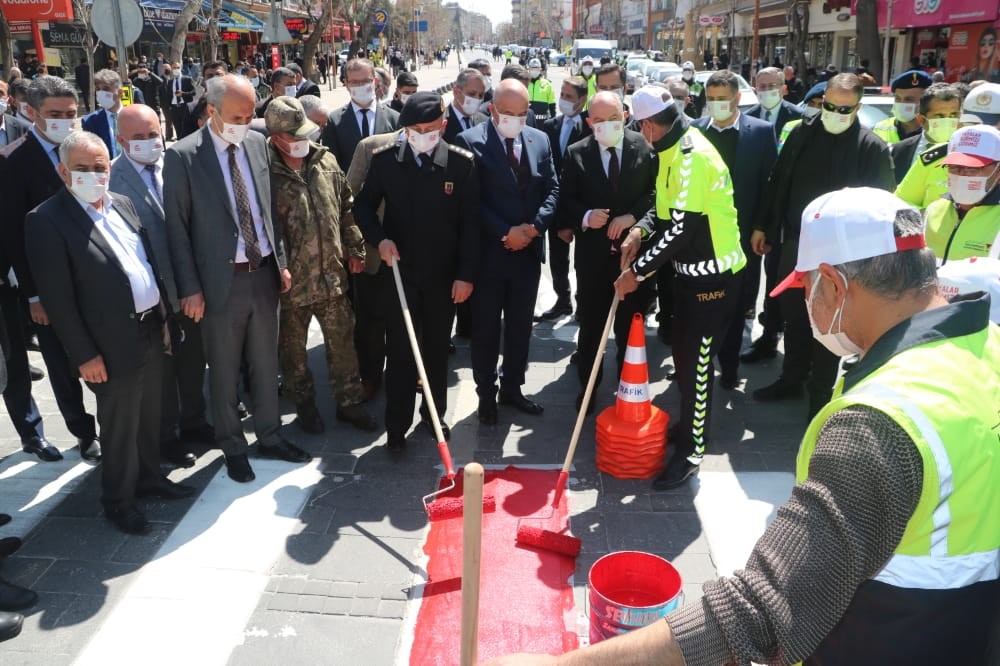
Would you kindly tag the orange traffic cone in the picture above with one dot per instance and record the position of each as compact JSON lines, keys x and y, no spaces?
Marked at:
{"x":632,"y":435}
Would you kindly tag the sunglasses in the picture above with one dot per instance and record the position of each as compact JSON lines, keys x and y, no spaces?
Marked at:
{"x":842,"y":110}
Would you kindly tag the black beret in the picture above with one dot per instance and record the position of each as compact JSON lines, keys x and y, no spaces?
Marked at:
{"x":912,"y":79}
{"x":421,"y":107}
{"x":406,"y":79}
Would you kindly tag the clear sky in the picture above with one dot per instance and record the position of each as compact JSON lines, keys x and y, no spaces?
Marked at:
{"x":497,"y":10}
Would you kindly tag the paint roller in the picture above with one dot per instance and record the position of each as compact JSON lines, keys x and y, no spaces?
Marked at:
{"x":472,"y":541}
{"x":443,"y":508}
{"x":556,"y":541}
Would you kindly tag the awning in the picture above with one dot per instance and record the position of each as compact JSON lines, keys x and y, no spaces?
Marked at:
{"x":231,"y":18}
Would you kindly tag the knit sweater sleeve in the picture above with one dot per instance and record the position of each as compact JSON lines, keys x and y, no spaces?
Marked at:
{"x":837,"y":530}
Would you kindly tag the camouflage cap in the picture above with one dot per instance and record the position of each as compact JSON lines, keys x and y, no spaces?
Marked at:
{"x":285,"y":114}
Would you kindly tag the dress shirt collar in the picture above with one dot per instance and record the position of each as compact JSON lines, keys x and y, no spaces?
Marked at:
{"x":140,"y":167}
{"x":47,"y":145}
{"x":618,"y":149}
{"x":735,"y":125}
{"x":357,"y":109}
{"x":459,"y":114}
{"x":89,"y":209}
{"x":571,"y":120}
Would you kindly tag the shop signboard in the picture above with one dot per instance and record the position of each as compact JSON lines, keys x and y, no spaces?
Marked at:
{"x":973,"y":53}
{"x":934,"y":13}
{"x":64,"y":35}
{"x":21,"y":27}
{"x":295,"y":27}
{"x":159,"y":18}
{"x":37,"y":10}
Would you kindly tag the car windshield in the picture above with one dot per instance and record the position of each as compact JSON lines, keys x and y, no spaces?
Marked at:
{"x":633,"y":65}
{"x":596,"y":54}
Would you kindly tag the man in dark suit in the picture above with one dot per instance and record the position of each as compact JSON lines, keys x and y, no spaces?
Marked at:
{"x":104,"y":120}
{"x":138,"y":175}
{"x":229,"y":265}
{"x":518,"y":191}
{"x":438,"y":254}
{"x":12,"y":127}
{"x":282,"y":83}
{"x":563,"y":131}
{"x":30,"y":177}
{"x":483,"y":66}
{"x":466,"y":108}
{"x":605,"y":187}
{"x":177,"y":92}
{"x":748,"y":147}
{"x":98,"y":277}
{"x":771,"y":107}
{"x":303,"y":86}
{"x":348,"y":125}
{"x":795,"y":90}
{"x":150,"y":85}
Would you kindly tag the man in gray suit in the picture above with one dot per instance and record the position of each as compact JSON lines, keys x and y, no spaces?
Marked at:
{"x":137,"y":173}
{"x":229,"y":265}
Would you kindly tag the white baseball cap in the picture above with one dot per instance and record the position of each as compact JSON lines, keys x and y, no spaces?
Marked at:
{"x":966,"y":276}
{"x":973,"y":146}
{"x":534,"y":62}
{"x":649,"y":101}
{"x":688,"y":65}
{"x":847,"y":225}
{"x":587,"y":59}
{"x":982,"y":105}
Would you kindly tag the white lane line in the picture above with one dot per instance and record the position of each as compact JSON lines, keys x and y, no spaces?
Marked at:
{"x":207,"y":578}
{"x":735,"y":508}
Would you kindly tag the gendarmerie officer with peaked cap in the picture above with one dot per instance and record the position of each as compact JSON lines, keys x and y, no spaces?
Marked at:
{"x":431,"y":227}
{"x":906,"y":91}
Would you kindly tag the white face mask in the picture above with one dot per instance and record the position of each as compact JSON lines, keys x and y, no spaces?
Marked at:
{"x":810,"y":112}
{"x":3,"y":105}
{"x":489,"y":82}
{"x":363,"y":95}
{"x":106,"y":99}
{"x":175,"y":73}
{"x":57,"y":129}
{"x":470,"y":105}
{"x":255,"y":81}
{"x":609,"y":133}
{"x":720,"y":111}
{"x":22,"y":108}
{"x":679,"y":104}
{"x":688,"y":75}
{"x":904,"y":112}
{"x":233,"y":133}
{"x":586,"y":70}
{"x":620,"y":92}
{"x":535,"y":73}
{"x":510,"y":126}
{"x":290,"y":91}
{"x":939,"y":130}
{"x":90,"y":186}
{"x":403,"y":97}
{"x":146,"y":151}
{"x":968,"y":190}
{"x":423,"y":143}
{"x":837,"y":343}
{"x":836,"y":123}
{"x":769,"y":98}
{"x":567,"y":108}
{"x":299,"y":148}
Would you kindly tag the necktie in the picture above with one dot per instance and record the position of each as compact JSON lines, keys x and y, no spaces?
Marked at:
{"x":365,"y":130}
{"x":567,"y":129}
{"x":613,"y":168}
{"x":425,"y":161}
{"x":177,"y":88}
{"x":465,"y":122}
{"x":150,"y":170}
{"x":243,"y":211}
{"x":515,"y":164}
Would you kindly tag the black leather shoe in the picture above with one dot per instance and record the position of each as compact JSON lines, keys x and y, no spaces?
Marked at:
{"x":520,"y":403}
{"x":4,"y":518}
{"x":40,"y":447}
{"x":761,"y":350}
{"x":241,"y":410}
{"x":429,"y":427}
{"x":203,"y":434}
{"x":560,"y":309}
{"x":31,"y":344}
{"x":166,"y":489}
{"x":128,"y":519}
{"x":678,"y":471}
{"x":729,"y":382}
{"x":671,"y":376}
{"x":15,"y":598}
{"x":9,"y":546}
{"x":239,"y":470}
{"x":177,"y":454}
{"x":779,"y":390}
{"x":90,"y":449}
{"x":309,"y":420}
{"x":488,"y":411}
{"x":358,"y":417}
{"x":36,"y":374}
{"x":396,"y":443}
{"x":10,"y":625}
{"x":284,"y":450}
{"x":590,"y":405}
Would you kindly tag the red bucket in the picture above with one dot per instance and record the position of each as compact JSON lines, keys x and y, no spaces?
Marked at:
{"x":628,"y":590}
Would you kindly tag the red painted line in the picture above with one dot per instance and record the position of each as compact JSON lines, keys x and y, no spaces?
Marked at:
{"x":525,"y":602}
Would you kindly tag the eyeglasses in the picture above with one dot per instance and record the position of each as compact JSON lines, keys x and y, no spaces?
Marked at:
{"x":842,"y":110}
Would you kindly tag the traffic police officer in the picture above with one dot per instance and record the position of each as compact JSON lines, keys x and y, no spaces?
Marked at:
{"x":924,"y":181}
{"x":590,"y":76}
{"x":541,"y":96}
{"x":694,"y":225}
{"x":906,"y":89}
{"x":696,"y":90}
{"x":430,"y":225}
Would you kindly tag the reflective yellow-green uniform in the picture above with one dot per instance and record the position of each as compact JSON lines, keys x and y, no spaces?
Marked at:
{"x":890,"y":131}
{"x":786,"y":130}
{"x":694,"y":225}
{"x":971,"y":235}
{"x":927,"y":180}
{"x":542,"y":98}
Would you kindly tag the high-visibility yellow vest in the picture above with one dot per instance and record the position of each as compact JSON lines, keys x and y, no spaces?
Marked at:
{"x":972,"y":236}
{"x":927,"y":180}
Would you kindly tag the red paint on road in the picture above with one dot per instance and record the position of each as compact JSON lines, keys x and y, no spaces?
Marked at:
{"x":526,"y":600}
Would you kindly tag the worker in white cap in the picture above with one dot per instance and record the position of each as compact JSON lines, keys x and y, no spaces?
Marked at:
{"x":888,"y":550}
{"x":696,"y":90}
{"x":541,"y":96}
{"x":694,"y":227}
{"x":590,"y":76}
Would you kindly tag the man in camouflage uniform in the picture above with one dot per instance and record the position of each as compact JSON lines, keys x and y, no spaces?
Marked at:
{"x":313,"y":203}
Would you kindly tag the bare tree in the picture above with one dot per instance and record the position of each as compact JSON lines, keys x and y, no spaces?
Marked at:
{"x":81,"y":10}
{"x":359,"y":14}
{"x":797,"y":15}
{"x":213,"y":30}
{"x":187,"y":15}
{"x":6,"y":47}
{"x":312,"y":44}
{"x":868,"y":47}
